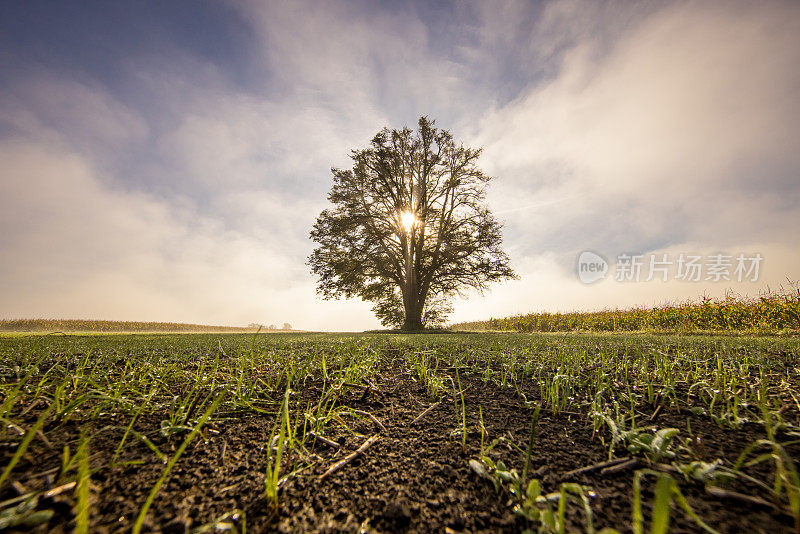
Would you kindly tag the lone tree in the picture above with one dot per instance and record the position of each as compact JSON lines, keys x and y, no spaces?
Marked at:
{"x":408,"y":229}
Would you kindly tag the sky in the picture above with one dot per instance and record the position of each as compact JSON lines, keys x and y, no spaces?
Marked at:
{"x":165,"y":161}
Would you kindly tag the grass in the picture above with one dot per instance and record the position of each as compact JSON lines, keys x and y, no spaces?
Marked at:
{"x":665,"y":493}
{"x":82,"y":516}
{"x":153,"y":396}
{"x":463,"y":412}
{"x":531,"y":439}
{"x":272,"y":479}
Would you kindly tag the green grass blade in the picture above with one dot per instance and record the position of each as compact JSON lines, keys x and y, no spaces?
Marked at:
{"x":661,"y":502}
{"x":82,"y":517}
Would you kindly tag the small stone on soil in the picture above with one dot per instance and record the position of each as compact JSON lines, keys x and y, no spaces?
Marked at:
{"x":398,"y":512}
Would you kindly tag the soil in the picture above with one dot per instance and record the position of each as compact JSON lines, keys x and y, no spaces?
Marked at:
{"x":414,"y":478}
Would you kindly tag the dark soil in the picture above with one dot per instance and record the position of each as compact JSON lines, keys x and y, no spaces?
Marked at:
{"x":415,"y":478}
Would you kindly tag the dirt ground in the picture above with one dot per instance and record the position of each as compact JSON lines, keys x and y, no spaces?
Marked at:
{"x":414,"y":478}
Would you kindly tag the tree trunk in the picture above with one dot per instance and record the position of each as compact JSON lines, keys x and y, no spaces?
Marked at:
{"x":411,"y":305}
{"x":411,"y":302}
{"x":413,"y":319}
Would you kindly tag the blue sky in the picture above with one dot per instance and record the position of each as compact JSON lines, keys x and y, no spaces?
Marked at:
{"x":165,"y":160}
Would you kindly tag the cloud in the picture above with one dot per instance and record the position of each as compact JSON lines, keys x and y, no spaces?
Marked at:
{"x":358,"y":58}
{"x":667,"y":138}
{"x":71,"y":113}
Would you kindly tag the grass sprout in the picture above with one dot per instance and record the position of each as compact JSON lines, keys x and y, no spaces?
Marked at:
{"x":272,"y":478}
{"x":666,"y":492}
{"x":82,"y":488}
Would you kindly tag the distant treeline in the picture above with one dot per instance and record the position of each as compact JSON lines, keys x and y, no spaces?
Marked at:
{"x":79,"y":325}
{"x":771,"y":311}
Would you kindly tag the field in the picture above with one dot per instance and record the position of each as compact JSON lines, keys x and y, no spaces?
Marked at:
{"x":474,"y":432}
{"x":99,"y":326}
{"x":771,"y":312}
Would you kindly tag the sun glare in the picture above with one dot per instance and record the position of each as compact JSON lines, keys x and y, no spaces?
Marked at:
{"x":408,"y":219}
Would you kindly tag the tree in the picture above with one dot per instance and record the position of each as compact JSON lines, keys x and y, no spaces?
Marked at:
{"x":409,"y":228}
{"x":287,"y":326}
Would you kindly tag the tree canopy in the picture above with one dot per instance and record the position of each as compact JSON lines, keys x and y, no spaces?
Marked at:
{"x":409,"y":228}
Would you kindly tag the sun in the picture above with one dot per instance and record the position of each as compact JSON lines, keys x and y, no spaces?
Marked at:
{"x":407,"y":220}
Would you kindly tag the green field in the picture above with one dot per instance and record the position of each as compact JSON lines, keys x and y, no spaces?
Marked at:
{"x":461,"y":431}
